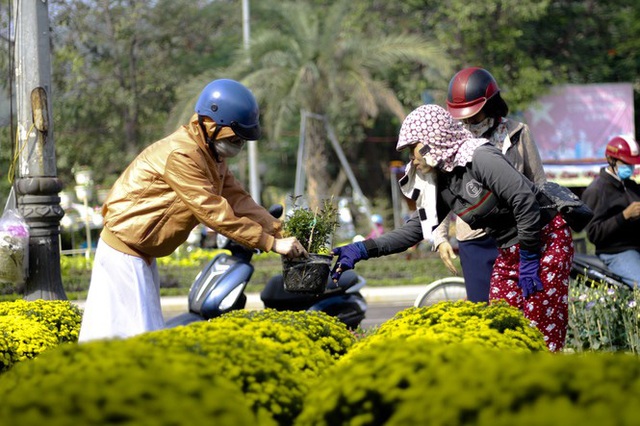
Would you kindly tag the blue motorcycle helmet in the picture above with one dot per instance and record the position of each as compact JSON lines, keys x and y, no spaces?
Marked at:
{"x":230,"y":104}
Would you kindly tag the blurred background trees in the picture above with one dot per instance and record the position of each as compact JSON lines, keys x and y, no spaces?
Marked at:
{"x":126,"y":72}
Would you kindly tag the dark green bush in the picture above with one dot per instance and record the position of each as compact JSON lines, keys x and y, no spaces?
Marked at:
{"x":271,"y":362}
{"x":313,"y":228}
{"x":120,"y":382}
{"x":419,"y":382}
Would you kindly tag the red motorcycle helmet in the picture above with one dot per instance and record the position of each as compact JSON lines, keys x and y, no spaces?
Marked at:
{"x":623,"y":148}
{"x":469,"y":91}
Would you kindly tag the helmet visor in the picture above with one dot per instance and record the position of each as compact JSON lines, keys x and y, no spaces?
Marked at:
{"x":250,"y":133}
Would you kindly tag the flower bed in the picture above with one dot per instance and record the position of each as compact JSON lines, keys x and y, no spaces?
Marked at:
{"x":30,"y":328}
{"x":452,"y":363}
{"x":421,"y":382}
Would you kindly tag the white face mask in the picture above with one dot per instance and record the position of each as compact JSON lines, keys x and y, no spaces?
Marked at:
{"x":480,"y":128}
{"x":228,"y":147}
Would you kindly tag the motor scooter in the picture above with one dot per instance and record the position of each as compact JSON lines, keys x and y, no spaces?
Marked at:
{"x":220,"y":288}
{"x":592,"y":268}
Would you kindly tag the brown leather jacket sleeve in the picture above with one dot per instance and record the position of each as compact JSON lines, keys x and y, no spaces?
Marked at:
{"x":188,"y":178}
{"x":244,"y":205}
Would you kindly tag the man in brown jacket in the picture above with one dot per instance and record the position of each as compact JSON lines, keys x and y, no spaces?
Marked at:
{"x":170,"y":187}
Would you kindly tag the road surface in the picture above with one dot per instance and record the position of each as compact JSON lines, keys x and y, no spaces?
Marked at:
{"x":382,"y":303}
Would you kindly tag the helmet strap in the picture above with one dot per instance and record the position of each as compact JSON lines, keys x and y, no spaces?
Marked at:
{"x":210,"y":139}
{"x":489,"y":132}
{"x":613,"y":164}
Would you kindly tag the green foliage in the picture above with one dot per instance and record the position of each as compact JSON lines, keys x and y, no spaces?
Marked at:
{"x":313,"y":228}
{"x":418,"y":382}
{"x":272,"y":362}
{"x":603,"y":318}
{"x":496,"y":325}
{"x":306,"y":57}
{"x":116,"y":67}
{"x":178,"y":271}
{"x":331,"y":333}
{"x":28,"y":328}
{"x":120,"y":382}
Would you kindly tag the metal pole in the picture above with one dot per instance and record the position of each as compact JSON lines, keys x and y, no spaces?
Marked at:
{"x":252,"y":146}
{"x":298,"y":188}
{"x":87,"y":225}
{"x":394,"y":168}
{"x":347,"y":169}
{"x":37,"y":185}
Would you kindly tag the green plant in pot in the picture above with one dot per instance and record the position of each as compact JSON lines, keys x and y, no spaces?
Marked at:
{"x":314,"y":228}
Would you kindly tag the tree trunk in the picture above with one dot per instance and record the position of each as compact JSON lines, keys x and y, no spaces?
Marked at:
{"x":318,"y":180}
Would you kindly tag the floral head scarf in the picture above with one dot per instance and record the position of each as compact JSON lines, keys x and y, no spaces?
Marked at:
{"x":447,"y":143}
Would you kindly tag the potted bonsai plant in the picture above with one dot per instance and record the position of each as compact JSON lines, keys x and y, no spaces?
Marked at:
{"x":314,"y":229}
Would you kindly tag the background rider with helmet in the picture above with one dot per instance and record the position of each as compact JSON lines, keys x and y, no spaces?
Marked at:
{"x":378,"y":224}
{"x":474,"y":98}
{"x":169,"y":188}
{"x":615,"y":200}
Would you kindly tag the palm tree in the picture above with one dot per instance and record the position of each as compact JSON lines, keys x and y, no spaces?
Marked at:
{"x":309,"y":59}
{"x":314,"y":62}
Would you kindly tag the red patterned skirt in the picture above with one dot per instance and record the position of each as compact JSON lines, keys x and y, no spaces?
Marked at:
{"x":547,"y":309}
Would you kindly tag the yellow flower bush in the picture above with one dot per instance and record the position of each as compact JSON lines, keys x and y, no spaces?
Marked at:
{"x":28,"y":328}
{"x":121,"y":382}
{"x":60,"y":316}
{"x":417,"y":382}
{"x":497,"y":325}
{"x":273,"y":363}
{"x":329,"y":331}
{"x":21,"y":339}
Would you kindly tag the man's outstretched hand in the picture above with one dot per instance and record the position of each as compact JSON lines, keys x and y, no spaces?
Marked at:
{"x":289,"y":247}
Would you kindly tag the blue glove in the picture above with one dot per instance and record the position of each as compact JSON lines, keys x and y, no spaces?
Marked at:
{"x":529,"y":281}
{"x":348,"y":256}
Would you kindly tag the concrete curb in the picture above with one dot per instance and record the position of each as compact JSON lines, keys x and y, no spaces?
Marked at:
{"x":399,"y":294}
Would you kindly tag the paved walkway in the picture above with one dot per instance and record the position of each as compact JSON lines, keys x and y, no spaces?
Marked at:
{"x":172,"y":305}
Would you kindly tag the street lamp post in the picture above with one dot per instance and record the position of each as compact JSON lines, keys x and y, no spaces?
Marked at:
{"x":37,"y":184}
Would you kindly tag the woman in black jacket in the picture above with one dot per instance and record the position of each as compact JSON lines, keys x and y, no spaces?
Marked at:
{"x":452,"y":170}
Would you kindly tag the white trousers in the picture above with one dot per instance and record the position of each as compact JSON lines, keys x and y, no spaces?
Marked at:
{"x":123,"y":298}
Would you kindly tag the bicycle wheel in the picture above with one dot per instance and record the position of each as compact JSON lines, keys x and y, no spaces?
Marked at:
{"x":445,"y":289}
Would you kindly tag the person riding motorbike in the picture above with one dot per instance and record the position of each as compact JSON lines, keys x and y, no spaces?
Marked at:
{"x":615,"y":200}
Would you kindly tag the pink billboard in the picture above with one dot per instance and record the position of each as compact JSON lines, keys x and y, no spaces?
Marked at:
{"x":573,"y":123}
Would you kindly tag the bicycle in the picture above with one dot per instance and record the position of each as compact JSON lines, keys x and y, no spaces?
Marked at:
{"x":445,"y":289}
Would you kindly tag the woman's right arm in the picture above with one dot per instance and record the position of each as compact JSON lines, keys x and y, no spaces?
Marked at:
{"x":396,"y":241}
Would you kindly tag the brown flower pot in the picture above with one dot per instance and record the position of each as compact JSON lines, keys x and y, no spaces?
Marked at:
{"x":308,"y":275}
